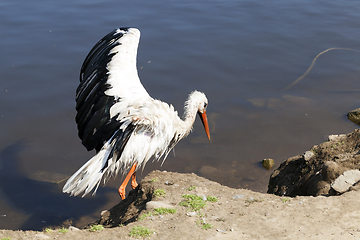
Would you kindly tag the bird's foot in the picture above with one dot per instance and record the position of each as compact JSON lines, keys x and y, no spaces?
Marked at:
{"x":133,"y":181}
{"x":134,"y":184}
{"x":122,"y":193}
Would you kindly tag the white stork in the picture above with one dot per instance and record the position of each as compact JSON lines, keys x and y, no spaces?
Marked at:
{"x":118,"y":118}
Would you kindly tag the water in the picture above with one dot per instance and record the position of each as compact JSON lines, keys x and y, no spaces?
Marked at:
{"x":242,"y":54}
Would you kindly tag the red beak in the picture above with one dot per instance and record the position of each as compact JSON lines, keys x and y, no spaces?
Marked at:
{"x":204,"y":121}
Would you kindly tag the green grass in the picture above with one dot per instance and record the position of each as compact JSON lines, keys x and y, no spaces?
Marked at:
{"x":284,"y":200}
{"x":162,"y":210}
{"x":6,"y":238}
{"x":212,"y":199}
{"x":193,"y":202}
{"x":140,"y":232}
{"x":63,"y":230}
{"x":191,"y":188}
{"x":95,"y":228}
{"x":48,"y":230}
{"x":154,"y":180}
{"x":204,"y":225}
{"x":157,"y":211}
{"x":159,"y":193}
{"x":145,"y":215}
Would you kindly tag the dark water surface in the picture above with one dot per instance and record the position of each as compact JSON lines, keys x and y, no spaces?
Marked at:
{"x":242,"y":54}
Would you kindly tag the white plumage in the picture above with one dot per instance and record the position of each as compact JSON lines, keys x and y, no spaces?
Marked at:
{"x":118,"y":118}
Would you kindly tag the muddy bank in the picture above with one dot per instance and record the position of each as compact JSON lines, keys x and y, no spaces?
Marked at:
{"x":169,"y":205}
{"x":312,"y":173}
{"x":236,"y":214}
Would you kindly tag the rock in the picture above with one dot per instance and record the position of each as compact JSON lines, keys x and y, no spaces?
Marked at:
{"x":267,"y":163}
{"x":72,"y":228}
{"x":318,"y":188}
{"x":346,"y":180}
{"x":238,"y":196}
{"x":191,"y":214}
{"x":335,"y":137}
{"x":354,"y":116}
{"x":331,"y":171}
{"x":305,"y":175}
{"x":157,"y":204}
{"x":308,"y":155}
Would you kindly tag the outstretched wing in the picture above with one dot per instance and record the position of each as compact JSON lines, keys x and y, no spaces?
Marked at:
{"x":108,"y":77}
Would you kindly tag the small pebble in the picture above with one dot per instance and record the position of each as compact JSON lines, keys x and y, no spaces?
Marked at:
{"x":267,"y":163}
{"x":72,"y":228}
{"x":238,"y":196}
{"x":308,"y":155}
{"x":191,"y":214}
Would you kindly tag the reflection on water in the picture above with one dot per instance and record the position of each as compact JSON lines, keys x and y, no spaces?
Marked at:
{"x":39,"y":203}
{"x":242,"y":54}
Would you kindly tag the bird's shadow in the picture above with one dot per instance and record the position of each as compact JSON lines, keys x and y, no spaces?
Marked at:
{"x":42,"y":201}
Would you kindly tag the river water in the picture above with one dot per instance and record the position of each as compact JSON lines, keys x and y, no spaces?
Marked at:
{"x":243,"y":54}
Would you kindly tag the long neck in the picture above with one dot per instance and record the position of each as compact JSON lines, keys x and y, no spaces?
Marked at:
{"x":190,"y":111}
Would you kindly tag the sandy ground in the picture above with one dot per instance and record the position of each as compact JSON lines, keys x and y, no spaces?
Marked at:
{"x":237,"y":214}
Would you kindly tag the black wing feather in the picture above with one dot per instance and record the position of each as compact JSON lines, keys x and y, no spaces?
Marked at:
{"x":92,"y":104}
{"x":121,"y":139}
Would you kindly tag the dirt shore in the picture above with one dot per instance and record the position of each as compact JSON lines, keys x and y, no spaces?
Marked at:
{"x":185,"y":206}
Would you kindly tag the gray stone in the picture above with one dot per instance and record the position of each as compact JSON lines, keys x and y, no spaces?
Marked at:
{"x":191,"y":214}
{"x":345,"y":181}
{"x":157,"y":204}
{"x":238,"y":196}
{"x":72,"y":228}
{"x":336,"y":137}
{"x":354,"y":116}
{"x":308,"y":155}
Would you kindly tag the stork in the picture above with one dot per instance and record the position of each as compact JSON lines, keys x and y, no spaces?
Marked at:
{"x":118,"y":118}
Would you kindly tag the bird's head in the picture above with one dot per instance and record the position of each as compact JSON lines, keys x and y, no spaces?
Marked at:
{"x":200,"y":101}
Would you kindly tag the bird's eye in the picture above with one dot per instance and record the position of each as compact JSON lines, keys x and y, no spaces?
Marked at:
{"x":205,"y":105}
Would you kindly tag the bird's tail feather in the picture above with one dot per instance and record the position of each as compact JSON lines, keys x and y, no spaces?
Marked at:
{"x":89,"y":175}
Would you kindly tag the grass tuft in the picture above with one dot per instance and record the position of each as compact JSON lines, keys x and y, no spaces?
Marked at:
{"x":162,"y":210}
{"x":212,"y":199}
{"x":159,"y":193}
{"x":193,"y":202}
{"x":157,"y":211}
{"x":48,"y":230}
{"x":95,"y":228}
{"x":63,"y":230}
{"x":204,"y":225}
{"x":140,"y":232}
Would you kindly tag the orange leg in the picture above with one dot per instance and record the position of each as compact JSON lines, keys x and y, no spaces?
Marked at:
{"x":126,"y":180}
{"x":133,"y":180}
